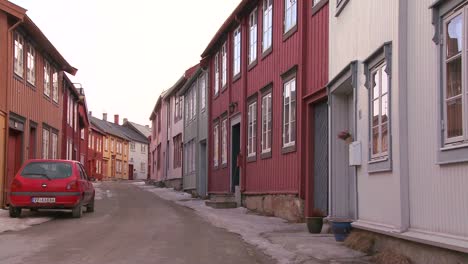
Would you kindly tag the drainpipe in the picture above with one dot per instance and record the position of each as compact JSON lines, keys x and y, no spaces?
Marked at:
{"x":243,"y":178}
{"x":7,"y":125}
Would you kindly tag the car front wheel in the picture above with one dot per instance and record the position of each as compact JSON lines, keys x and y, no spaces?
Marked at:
{"x":15,"y":212}
{"x":77,"y":212}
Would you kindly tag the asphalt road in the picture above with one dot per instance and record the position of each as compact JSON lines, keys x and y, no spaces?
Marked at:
{"x":129,"y":226}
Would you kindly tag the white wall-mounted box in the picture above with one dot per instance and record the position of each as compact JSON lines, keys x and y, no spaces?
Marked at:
{"x":355,"y":154}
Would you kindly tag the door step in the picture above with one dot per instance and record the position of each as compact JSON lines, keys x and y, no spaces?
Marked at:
{"x":221,"y":205}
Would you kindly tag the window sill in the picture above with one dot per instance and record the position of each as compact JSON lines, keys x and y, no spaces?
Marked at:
{"x":252,"y":158}
{"x":223,"y":89}
{"x":236,"y":77}
{"x":318,"y":7}
{"x":252,"y":65}
{"x":31,"y":86}
{"x":288,"y":149}
{"x":340,"y":7}
{"x":216,"y":95}
{"x":378,"y":165}
{"x":266,"y":155}
{"x":267,"y":52}
{"x":289,"y":33}
{"x":452,"y":154}
{"x":18,"y":77}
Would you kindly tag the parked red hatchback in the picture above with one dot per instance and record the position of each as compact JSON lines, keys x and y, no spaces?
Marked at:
{"x":51,"y":184}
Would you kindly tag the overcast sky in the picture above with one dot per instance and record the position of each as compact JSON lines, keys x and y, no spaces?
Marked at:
{"x":127,"y":52}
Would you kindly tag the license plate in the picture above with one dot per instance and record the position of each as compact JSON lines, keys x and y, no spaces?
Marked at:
{"x":43,"y":199}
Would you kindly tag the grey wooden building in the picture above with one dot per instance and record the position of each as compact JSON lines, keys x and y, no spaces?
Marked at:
{"x":195,"y":161}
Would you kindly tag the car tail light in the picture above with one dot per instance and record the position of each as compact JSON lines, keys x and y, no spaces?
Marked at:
{"x":73,"y":186}
{"x":16,"y":185}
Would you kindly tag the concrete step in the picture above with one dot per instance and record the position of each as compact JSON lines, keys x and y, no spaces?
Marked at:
{"x":221,"y":204}
{"x":223,"y":198}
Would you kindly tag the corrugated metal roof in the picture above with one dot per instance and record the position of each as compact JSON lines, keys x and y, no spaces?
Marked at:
{"x":133,"y":135}
{"x":108,"y":127}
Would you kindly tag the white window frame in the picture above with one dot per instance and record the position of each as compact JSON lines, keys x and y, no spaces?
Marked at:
{"x":462,"y":139}
{"x":19,"y":55}
{"x":379,"y":69}
{"x":47,"y":78}
{"x":252,"y":130}
{"x":54,"y":145}
{"x":202,"y":85}
{"x":267,"y":37}
{"x":45,"y":143}
{"x":237,"y":38}
{"x":253,"y":35}
{"x":224,"y":142}
{"x":216,"y":72}
{"x":290,"y":15}
{"x":224,"y":65}
{"x":267,"y":122}
{"x":288,"y":100}
{"x":31,"y":65}
{"x":216,"y":145}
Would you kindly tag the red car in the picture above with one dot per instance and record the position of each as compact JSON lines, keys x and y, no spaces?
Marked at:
{"x":51,"y":184}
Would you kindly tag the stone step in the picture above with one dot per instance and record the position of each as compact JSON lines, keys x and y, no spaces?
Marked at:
{"x":223,"y":198}
{"x":221,"y":204}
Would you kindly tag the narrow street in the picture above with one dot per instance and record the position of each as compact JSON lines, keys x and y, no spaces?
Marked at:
{"x":129,"y":226}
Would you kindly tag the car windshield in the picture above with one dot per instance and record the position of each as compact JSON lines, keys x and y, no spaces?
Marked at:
{"x":49,"y":170}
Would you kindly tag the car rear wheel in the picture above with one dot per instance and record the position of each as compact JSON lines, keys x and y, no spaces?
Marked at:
{"x":90,"y":206}
{"x":15,"y":212}
{"x":77,"y":212}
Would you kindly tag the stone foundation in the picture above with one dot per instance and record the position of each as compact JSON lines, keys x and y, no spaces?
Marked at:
{"x":418,"y":253}
{"x":174,"y":183}
{"x":289,"y":207}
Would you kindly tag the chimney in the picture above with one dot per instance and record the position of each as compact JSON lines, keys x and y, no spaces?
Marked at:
{"x":125,"y":120}
{"x":116,"y":119}
{"x":104,"y":116}
{"x":90,"y":113}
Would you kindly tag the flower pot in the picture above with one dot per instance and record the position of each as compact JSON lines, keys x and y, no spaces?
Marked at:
{"x":341,"y":229}
{"x":349,"y":140}
{"x":314,"y":224}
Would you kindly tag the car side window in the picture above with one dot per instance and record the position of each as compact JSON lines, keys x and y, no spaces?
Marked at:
{"x":82,"y":173}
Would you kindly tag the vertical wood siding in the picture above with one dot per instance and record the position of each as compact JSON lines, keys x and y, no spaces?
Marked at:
{"x":3,"y":60}
{"x":438,"y":194}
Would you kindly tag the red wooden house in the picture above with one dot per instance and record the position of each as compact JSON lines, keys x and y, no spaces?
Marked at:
{"x":75,"y":123}
{"x":31,"y":70}
{"x":95,"y":152}
{"x":267,"y":112}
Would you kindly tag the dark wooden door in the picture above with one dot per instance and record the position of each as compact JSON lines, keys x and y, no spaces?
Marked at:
{"x":235,"y":174}
{"x":14,"y":155}
{"x":130,"y":171}
{"x":321,"y":157}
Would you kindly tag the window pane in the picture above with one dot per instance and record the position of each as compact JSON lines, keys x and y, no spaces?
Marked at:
{"x":454,"y":77}
{"x":375,"y":112}
{"x":385,"y":108}
{"x":375,"y":85}
{"x":384,"y":80}
{"x":454,"y":118}
{"x":455,"y":36}
{"x":375,"y":140}
{"x":384,"y":139}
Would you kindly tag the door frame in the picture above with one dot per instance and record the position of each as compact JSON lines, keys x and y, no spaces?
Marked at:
{"x":236,"y":120}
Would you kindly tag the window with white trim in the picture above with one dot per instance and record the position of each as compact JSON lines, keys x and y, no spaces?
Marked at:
{"x":203,"y":91}
{"x":224,"y":65}
{"x":45,"y":143}
{"x":54,"y":146}
{"x":132,"y":146}
{"x":31,"y":65}
{"x":46,"y":78}
{"x":82,"y":134}
{"x":253,"y":31}
{"x":106,"y":144}
{"x":267,"y":24}
{"x":289,"y":113}
{"x":19,"y":55}
{"x":224,"y":142}
{"x":143,"y":167}
{"x":267,"y":113}
{"x":69,"y":149}
{"x":237,"y":51}
{"x":252,"y":130}
{"x":290,"y":14}
{"x":379,"y":112}
{"x":455,"y":88}
{"x":216,"y":145}
{"x":216,"y":66}
{"x":316,"y":2}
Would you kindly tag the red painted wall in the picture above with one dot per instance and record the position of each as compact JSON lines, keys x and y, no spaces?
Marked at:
{"x":307,"y":49}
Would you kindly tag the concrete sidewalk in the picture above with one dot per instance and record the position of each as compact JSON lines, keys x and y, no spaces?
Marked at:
{"x":286,"y":242}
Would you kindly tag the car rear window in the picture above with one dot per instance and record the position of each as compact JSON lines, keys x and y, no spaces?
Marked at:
{"x":50,"y":170}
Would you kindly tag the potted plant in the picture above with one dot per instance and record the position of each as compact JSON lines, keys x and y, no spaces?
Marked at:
{"x":315,"y":221}
{"x":341,"y":228}
{"x":346,"y":136}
